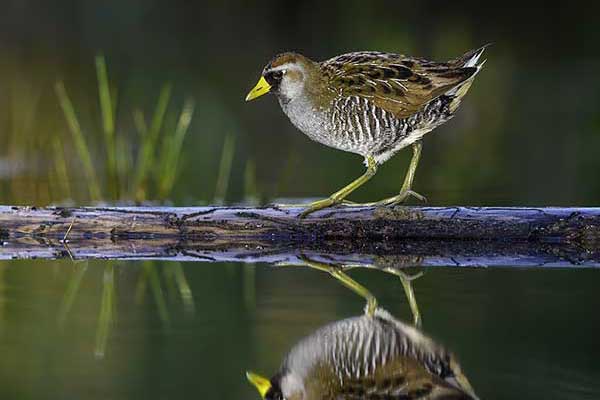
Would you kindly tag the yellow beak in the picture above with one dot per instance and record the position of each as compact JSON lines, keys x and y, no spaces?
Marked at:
{"x":262,"y":87}
{"x":261,"y":384}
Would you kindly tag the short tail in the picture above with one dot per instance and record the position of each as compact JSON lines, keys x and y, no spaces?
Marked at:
{"x":467,"y":60}
{"x":470,"y":58}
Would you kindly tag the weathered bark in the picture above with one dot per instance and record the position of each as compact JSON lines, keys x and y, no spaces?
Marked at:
{"x":580,"y":225}
{"x":378,"y":254}
{"x":400,"y":236}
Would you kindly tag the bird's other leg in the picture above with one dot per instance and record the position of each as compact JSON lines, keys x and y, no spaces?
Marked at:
{"x":341,"y":194}
{"x":406,"y":281}
{"x":406,"y":189}
{"x":337,"y":271}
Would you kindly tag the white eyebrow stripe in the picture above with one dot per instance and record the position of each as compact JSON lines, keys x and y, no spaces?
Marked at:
{"x":286,"y":66}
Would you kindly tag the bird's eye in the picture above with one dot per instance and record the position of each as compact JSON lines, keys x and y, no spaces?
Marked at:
{"x":275,"y":395}
{"x":274,"y":77}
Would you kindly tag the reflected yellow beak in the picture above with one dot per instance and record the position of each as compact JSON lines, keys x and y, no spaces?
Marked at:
{"x":262,"y":87}
{"x":261,"y":384}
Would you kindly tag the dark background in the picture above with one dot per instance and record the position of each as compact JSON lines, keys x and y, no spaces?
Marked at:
{"x":527,"y":133}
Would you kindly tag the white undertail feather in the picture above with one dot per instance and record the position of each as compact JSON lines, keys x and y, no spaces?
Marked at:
{"x":459,"y":91}
{"x":473,"y":60}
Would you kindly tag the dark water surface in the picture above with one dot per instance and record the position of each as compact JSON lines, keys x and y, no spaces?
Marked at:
{"x":193,"y":329}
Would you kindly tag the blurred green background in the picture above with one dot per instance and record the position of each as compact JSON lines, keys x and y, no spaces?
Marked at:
{"x":526,"y":134}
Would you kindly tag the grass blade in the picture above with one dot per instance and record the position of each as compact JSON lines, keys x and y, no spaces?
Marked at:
{"x":184,"y":288}
{"x":71,"y":293}
{"x":140,"y":122}
{"x":157,"y":292}
{"x":60,"y":168}
{"x":79,"y":140}
{"x":106,"y":106}
{"x":172,"y":150}
{"x":224,"y":169}
{"x":108,"y":124}
{"x":107,"y":308}
{"x":250,"y":185}
{"x":148,"y":149}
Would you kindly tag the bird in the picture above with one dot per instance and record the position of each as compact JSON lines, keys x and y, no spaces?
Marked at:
{"x":366,"y":357}
{"x":369,"y":103}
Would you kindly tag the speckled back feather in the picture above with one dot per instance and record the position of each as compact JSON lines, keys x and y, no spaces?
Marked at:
{"x":398,"y":84}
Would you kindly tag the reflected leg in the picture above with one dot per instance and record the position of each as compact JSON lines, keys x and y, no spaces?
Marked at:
{"x":338,"y":273}
{"x":406,"y":281}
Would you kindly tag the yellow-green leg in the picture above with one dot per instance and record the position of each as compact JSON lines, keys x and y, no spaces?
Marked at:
{"x":406,"y":281}
{"x":338,"y":273}
{"x":341,"y":194}
{"x":406,"y":189}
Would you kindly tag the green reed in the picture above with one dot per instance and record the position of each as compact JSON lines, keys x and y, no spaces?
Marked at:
{"x":155,"y":287}
{"x":251,"y":193}
{"x":62,"y":183}
{"x":224,"y":169}
{"x":79,"y":140}
{"x":149,"y":140}
{"x":108,"y":106}
{"x":107,"y":316}
{"x":154,"y":172}
{"x":172,"y":149}
{"x":71,"y":292}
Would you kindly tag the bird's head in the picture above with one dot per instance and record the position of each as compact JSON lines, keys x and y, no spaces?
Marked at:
{"x":285,"y":76}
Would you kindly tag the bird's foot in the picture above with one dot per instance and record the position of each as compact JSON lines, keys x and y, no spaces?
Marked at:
{"x":315,"y":205}
{"x":319,"y":205}
{"x":390,"y":201}
{"x":400,"y":198}
{"x":308,"y":204}
{"x":286,"y":205}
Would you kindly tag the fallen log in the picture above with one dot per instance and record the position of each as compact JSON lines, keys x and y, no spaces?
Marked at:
{"x":377,"y":254}
{"x":461,"y":236}
{"x":581,"y":225}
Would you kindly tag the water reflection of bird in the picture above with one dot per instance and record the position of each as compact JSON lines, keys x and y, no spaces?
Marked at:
{"x":367,"y":357}
{"x":369,"y":103}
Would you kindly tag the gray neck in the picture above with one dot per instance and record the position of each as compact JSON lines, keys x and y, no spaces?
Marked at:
{"x":311,"y":120}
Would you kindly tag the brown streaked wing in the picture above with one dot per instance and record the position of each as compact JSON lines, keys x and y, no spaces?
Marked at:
{"x":398,"y":84}
{"x":402,"y":378}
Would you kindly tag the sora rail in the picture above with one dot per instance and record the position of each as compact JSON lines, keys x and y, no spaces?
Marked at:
{"x":371,"y":357}
{"x":369,"y":103}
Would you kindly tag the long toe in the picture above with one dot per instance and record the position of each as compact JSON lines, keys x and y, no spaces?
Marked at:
{"x":417,"y":196}
{"x":284,"y":205}
{"x":355,"y":204}
{"x":316,"y":206}
{"x":401,"y":198}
